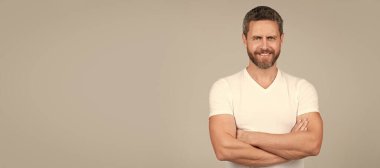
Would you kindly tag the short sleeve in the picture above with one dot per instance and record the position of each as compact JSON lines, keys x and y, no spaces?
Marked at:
{"x":220,"y":100}
{"x":307,"y":98}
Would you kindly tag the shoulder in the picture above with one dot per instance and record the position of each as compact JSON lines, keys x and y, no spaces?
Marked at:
{"x":230,"y":80}
{"x":234,"y":77}
{"x":290,"y":78}
{"x":221,"y":94}
{"x":296,"y":82}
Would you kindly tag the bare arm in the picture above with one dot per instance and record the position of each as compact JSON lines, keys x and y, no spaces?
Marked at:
{"x":293,"y":145}
{"x":228,"y":148}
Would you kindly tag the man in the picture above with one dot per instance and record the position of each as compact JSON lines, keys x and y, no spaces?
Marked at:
{"x":261,"y":116}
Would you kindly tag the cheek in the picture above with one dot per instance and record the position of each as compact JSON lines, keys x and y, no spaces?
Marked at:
{"x":253,"y":47}
{"x":276,"y":46}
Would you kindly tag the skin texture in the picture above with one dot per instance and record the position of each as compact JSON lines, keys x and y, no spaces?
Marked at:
{"x":306,"y":141}
{"x":263,"y":43}
{"x":228,"y":148}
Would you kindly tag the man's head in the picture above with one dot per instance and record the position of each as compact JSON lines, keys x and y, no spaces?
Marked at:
{"x":262,"y":13}
{"x":262,"y":35}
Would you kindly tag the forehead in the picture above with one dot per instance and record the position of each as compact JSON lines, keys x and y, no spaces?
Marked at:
{"x":263,"y":27}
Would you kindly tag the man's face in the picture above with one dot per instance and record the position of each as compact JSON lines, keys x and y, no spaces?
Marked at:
{"x":263,"y":43}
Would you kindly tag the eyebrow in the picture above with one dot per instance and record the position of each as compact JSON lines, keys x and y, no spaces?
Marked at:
{"x":258,"y":36}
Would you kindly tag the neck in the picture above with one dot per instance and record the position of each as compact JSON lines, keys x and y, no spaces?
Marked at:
{"x":263,"y":77}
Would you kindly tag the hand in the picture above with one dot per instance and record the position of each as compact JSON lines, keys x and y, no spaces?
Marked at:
{"x":301,"y":125}
{"x":242,"y":135}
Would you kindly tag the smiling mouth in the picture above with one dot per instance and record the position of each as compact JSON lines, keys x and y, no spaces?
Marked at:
{"x":265,"y":54}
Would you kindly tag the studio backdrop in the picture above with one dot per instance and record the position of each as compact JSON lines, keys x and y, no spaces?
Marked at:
{"x":125,"y":84}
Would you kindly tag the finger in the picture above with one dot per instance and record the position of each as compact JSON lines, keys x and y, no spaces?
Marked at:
{"x":304,"y":129}
{"x":295,"y":126}
{"x":298,"y":126}
{"x":304,"y":126}
{"x":239,"y":133}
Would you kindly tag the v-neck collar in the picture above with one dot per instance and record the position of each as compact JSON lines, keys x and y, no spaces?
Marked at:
{"x":258,"y":86}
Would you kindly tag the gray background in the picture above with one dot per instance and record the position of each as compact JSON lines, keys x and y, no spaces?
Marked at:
{"x":112,"y":84}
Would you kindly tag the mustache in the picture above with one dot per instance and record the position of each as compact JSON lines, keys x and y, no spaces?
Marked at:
{"x":264,"y":51}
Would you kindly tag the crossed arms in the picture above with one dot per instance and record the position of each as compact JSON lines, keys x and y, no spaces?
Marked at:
{"x":264,"y":149}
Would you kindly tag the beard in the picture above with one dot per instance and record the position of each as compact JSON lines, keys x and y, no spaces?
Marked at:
{"x":263,"y":63}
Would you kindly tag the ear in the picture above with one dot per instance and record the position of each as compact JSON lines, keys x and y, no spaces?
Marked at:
{"x":244,"y":39}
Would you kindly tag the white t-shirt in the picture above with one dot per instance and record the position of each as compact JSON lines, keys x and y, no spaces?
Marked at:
{"x":272,"y":110}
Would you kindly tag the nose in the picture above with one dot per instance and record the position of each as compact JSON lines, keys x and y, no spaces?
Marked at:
{"x":264,"y":44}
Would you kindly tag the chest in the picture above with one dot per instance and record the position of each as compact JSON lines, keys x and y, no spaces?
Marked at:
{"x":271,"y":111}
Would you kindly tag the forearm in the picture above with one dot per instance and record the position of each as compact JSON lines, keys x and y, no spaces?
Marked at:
{"x":245,"y":154}
{"x":228,"y":148}
{"x":287,"y":153}
{"x":290,"y":146}
{"x":305,"y":138}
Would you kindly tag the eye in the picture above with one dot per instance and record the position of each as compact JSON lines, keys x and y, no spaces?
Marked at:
{"x":271,"y":38}
{"x":255,"y":38}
